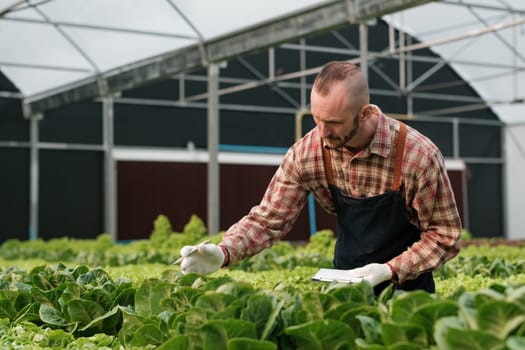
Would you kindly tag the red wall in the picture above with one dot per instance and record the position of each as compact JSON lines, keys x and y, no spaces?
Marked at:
{"x":178,"y":190}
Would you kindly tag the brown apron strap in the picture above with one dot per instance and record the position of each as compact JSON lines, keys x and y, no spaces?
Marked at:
{"x":400,"y":148}
{"x":328,"y":165}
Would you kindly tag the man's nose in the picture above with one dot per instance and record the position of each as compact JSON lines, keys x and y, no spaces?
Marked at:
{"x":323,"y":129}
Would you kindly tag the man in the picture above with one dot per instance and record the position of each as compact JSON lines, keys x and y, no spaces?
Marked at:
{"x":396,"y":214}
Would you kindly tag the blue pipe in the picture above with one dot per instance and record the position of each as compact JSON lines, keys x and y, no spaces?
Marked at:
{"x":311,"y":214}
{"x":32,"y":233}
{"x":252,"y":149}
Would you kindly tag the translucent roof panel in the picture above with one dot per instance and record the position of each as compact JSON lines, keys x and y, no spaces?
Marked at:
{"x":46,"y":44}
{"x":34,"y":79}
{"x":124,"y":48}
{"x":154,"y":16}
{"x":484,"y":42}
{"x":215,"y":18}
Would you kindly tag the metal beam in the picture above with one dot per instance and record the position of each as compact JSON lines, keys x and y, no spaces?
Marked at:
{"x":110,"y":191}
{"x":6,"y":8}
{"x":98,"y":27}
{"x":11,"y":94}
{"x":213,"y":151}
{"x":46,"y":66}
{"x":327,"y":16}
{"x":34,"y":175}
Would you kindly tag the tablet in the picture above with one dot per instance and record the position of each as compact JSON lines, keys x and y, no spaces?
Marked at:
{"x":335,"y":275}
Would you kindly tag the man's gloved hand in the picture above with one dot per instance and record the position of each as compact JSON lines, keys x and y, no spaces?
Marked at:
{"x":373,"y":273}
{"x":206,"y":259}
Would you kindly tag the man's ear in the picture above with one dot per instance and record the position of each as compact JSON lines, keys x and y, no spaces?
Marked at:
{"x":366,"y":112}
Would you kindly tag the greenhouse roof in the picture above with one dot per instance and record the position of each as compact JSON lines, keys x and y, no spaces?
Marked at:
{"x":62,"y":51}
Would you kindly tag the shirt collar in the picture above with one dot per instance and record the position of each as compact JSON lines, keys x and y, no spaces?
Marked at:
{"x":382,"y":142}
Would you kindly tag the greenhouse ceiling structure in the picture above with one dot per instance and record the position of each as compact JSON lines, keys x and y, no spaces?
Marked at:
{"x":60,"y":52}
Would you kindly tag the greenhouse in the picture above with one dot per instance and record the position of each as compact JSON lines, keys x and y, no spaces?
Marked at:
{"x":129,"y":129}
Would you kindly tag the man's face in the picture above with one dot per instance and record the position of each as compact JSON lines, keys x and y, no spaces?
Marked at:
{"x":336,"y":119}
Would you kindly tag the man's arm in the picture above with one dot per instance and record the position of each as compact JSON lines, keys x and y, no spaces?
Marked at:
{"x":273,"y":218}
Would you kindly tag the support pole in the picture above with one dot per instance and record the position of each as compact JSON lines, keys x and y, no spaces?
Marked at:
{"x":213,"y":147}
{"x":409,"y":79}
{"x":33,"y":175}
{"x":402,"y":61}
{"x":363,"y":48}
{"x":110,"y":221}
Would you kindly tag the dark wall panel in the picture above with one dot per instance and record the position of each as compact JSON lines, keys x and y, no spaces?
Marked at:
{"x":264,"y":96}
{"x":458,"y":180}
{"x":14,"y":193}
{"x":6,"y":84}
{"x":485,"y":200}
{"x":480,"y":141}
{"x":257,"y":129}
{"x":13,"y":125}
{"x":243,"y":186}
{"x":159,"y":126}
{"x":164,"y":90}
{"x":78,"y":123}
{"x":148,"y":189}
{"x":175,"y":127}
{"x":440,"y":133}
{"x":71,"y":194}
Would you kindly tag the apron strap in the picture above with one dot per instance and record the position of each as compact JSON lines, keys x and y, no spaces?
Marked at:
{"x":328,"y":165}
{"x":400,"y":148}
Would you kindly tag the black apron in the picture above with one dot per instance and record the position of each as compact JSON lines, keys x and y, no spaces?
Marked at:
{"x":375,"y":229}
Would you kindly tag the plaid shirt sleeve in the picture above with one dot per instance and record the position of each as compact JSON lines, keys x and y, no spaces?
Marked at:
{"x":274,"y":217}
{"x":432,"y":208}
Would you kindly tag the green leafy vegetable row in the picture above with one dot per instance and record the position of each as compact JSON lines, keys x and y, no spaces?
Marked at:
{"x":176,"y":311}
{"x":164,"y":245}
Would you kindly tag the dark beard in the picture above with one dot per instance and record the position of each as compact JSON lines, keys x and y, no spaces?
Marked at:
{"x":348,"y":137}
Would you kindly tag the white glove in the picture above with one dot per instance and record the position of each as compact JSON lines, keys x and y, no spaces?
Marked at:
{"x":206,"y":259}
{"x":373,"y":273}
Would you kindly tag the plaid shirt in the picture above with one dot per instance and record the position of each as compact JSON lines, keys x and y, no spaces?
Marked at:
{"x":425,"y":187}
